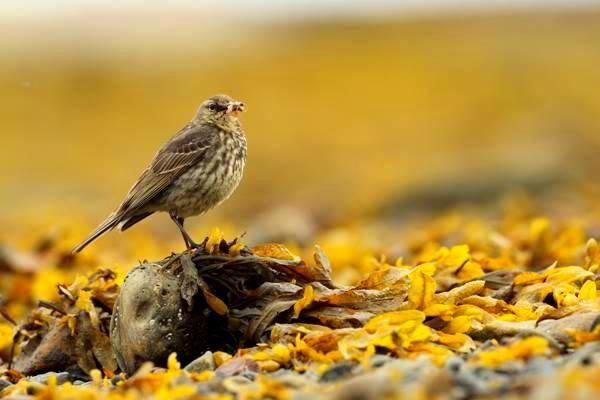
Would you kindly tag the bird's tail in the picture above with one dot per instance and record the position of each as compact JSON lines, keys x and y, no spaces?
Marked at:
{"x":109,"y":223}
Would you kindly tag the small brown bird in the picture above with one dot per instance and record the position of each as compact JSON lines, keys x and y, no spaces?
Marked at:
{"x":194,"y":171}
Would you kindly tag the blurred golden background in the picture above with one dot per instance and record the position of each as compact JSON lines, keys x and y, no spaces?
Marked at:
{"x":346,"y":113}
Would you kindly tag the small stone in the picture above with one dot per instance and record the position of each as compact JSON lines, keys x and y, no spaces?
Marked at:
{"x":510,"y":367}
{"x":235,"y":384}
{"x":540,"y":365}
{"x":181,"y":380}
{"x":474,"y":381}
{"x":117,"y":378}
{"x":204,"y":388}
{"x":205,"y":362}
{"x":4,"y":384}
{"x":292,"y":379}
{"x":237,"y":366}
{"x":251,"y":375}
{"x":311,"y":375}
{"x":61,"y":377}
{"x":585,"y":361}
{"x":379,"y":360}
{"x":337,"y":371}
{"x":588,"y":354}
{"x":454,"y":364}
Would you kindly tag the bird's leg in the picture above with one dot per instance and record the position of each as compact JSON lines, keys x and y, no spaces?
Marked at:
{"x":186,"y":236}
{"x":189,"y":243}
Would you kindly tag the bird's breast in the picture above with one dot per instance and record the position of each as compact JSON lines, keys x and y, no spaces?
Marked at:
{"x":211,"y":181}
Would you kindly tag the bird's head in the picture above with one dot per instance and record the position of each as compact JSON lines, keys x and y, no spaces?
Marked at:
{"x":220,"y":109}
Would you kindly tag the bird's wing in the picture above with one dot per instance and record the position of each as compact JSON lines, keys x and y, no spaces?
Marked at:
{"x":188,"y":147}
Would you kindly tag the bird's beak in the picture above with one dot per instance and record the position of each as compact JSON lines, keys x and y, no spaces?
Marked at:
{"x":235,"y":107}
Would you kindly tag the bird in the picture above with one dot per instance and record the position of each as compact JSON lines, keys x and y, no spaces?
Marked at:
{"x":196,"y":170}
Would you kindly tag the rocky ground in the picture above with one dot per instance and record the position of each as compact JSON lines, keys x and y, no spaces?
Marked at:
{"x":477,"y":302}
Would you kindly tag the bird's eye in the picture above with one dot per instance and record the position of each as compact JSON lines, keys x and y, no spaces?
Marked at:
{"x":212,"y":106}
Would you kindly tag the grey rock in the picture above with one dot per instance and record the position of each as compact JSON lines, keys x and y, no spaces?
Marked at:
{"x":312,"y":375}
{"x":251,"y":375}
{"x":61,"y":377}
{"x":238,"y":380}
{"x":475,"y":385}
{"x":540,"y":365}
{"x":205,"y":362}
{"x":204,"y":388}
{"x":379,"y":360}
{"x":182,"y":380}
{"x":588,"y":354}
{"x":454,"y":364}
{"x":237,"y":366}
{"x":4,"y":384}
{"x":411,"y":370}
{"x":293,"y":380}
{"x":337,"y":371}
{"x":116,"y":379}
{"x":52,"y":351}
{"x":511,"y":367}
{"x":371,"y":385}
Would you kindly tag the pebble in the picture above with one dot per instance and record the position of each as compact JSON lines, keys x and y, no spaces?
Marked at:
{"x":588,"y":354}
{"x":472,"y":384}
{"x":237,"y":366}
{"x":235,"y":384}
{"x":205,"y":362}
{"x":61,"y":377}
{"x":311,"y":375}
{"x":4,"y":384}
{"x":337,"y":371}
{"x":454,"y":364}
{"x":251,"y":375}
{"x":379,"y":360}
{"x":293,"y":380}
{"x":116,"y":379}
{"x":540,"y":365}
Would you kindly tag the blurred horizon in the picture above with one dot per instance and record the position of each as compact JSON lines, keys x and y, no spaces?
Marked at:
{"x":347,"y":110}
{"x":272,"y":10}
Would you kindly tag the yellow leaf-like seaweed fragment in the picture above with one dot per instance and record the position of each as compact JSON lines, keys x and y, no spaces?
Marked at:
{"x":527,"y":278}
{"x":84,"y":301}
{"x":172,"y":363}
{"x":460,"y":324}
{"x":274,"y":250}
{"x":306,"y":300}
{"x":457,"y":256}
{"x":421,"y":291}
{"x":521,"y":350}
{"x":394,"y":318}
{"x":588,"y":291}
{"x":6,"y":335}
{"x":215,"y":303}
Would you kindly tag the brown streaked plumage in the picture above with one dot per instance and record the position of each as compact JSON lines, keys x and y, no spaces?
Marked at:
{"x":194,"y":171}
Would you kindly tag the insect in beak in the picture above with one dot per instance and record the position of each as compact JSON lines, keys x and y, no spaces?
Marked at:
{"x":236,"y":107}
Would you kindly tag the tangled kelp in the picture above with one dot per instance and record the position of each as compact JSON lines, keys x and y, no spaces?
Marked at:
{"x":512,"y":310}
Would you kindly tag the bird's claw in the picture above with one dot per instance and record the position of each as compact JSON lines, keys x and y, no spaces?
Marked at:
{"x":200,"y":247}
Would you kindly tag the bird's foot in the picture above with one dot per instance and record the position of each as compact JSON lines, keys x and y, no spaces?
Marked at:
{"x":199,"y":247}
